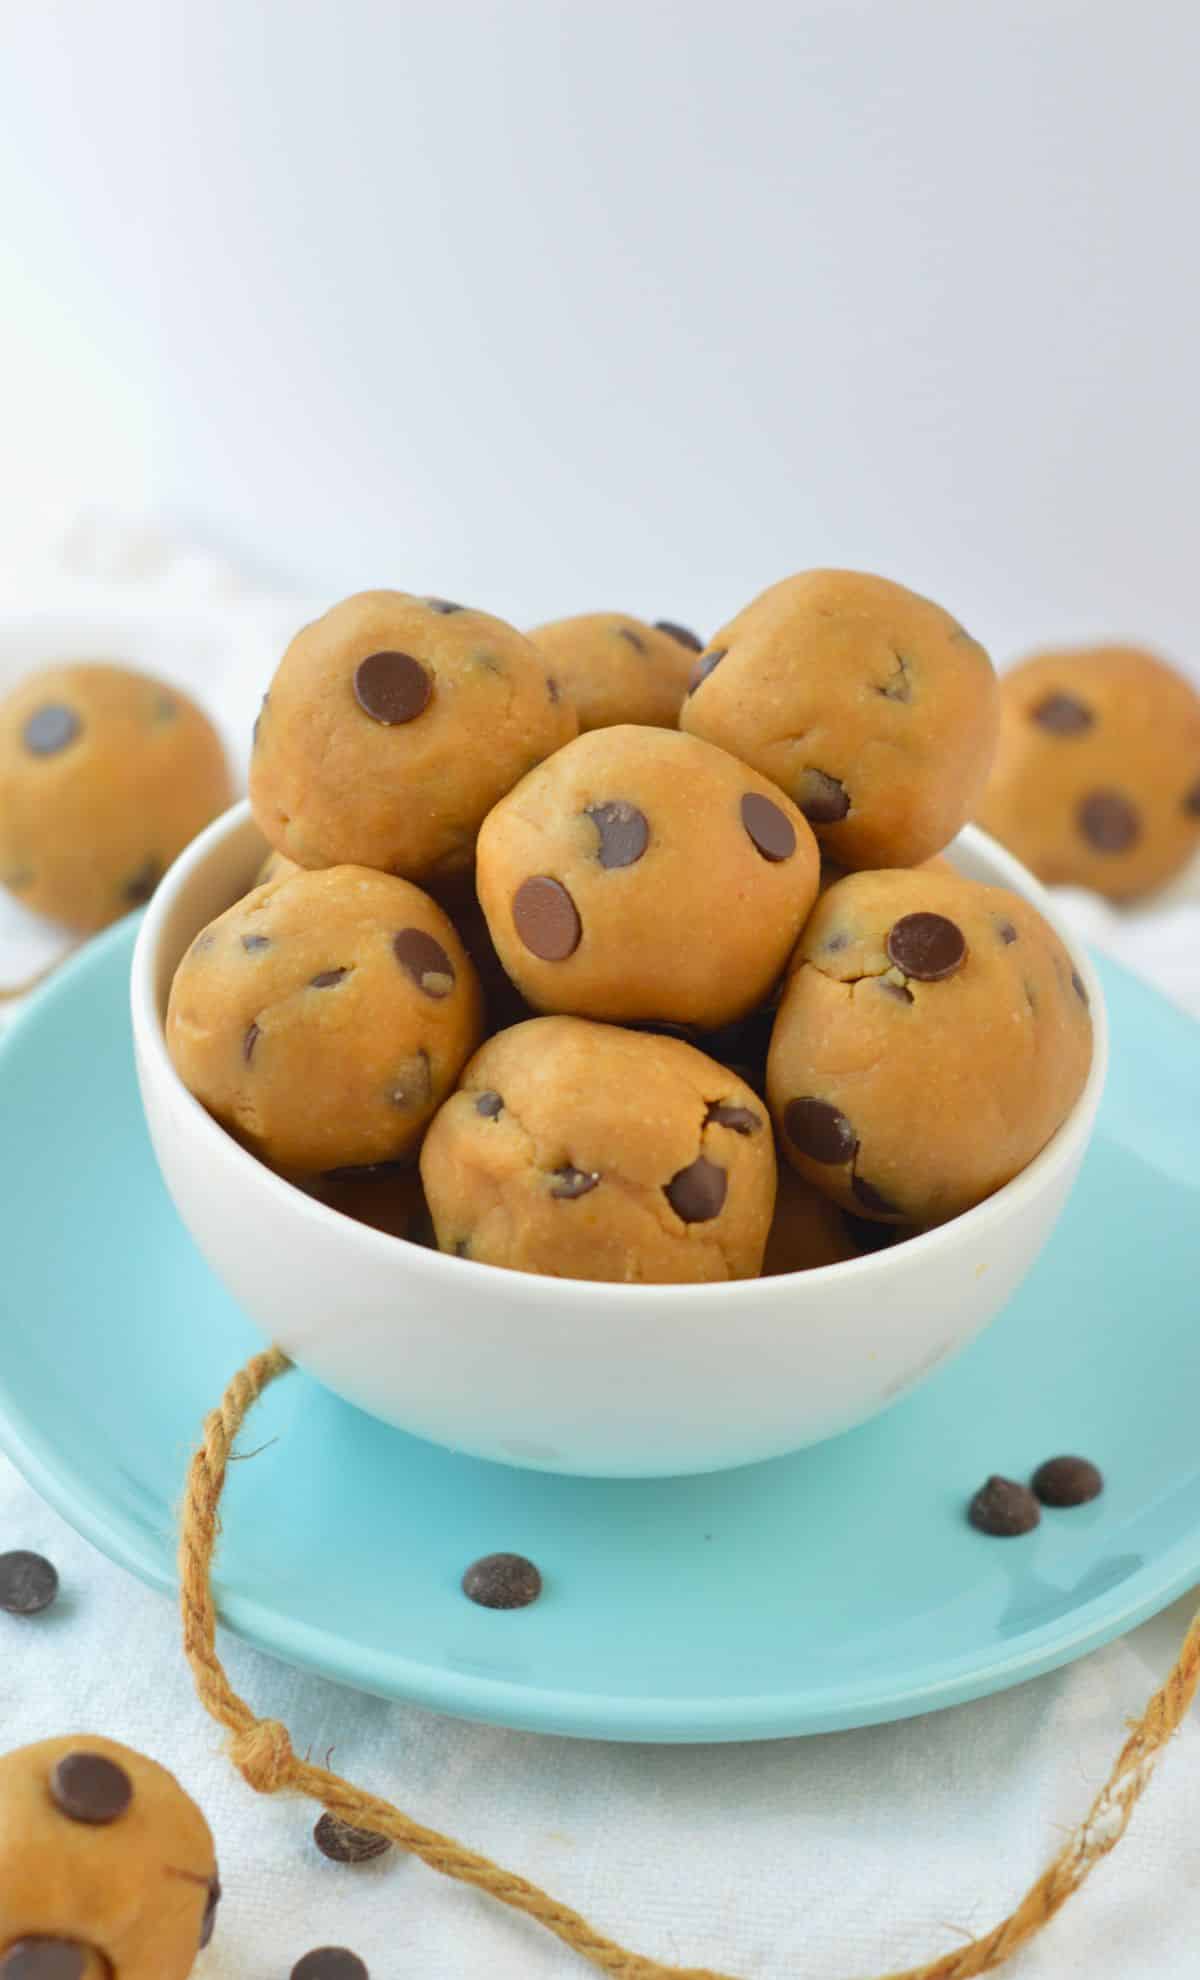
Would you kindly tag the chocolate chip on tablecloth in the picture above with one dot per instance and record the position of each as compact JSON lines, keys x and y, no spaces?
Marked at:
{"x":342,"y":1843}
{"x":28,"y":1583}
{"x":502,"y":1581}
{"x":89,"y":1787}
{"x":1067,"y":1481}
{"x":1003,"y":1509}
{"x":330,"y":1963}
{"x":392,"y":688}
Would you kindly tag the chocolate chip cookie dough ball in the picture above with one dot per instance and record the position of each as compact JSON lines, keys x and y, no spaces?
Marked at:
{"x":276,"y":867}
{"x":616,"y":669}
{"x":1096,"y":781}
{"x":932,"y":1036}
{"x":107,"y":1870}
{"x":586,"y":1152}
{"x":392,"y":726}
{"x":105,"y":775}
{"x":641,"y":874}
{"x":323,"y":1019}
{"x":868,"y":705}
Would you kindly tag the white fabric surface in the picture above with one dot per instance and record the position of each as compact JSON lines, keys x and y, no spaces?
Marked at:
{"x":831,"y":1858}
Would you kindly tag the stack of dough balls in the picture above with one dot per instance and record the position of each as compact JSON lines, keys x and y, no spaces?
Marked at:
{"x":596,"y":923}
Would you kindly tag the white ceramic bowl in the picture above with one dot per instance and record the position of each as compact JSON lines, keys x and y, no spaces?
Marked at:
{"x":568,"y":1375}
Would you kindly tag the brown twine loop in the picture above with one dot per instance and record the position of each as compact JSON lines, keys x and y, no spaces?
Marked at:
{"x":263,"y":1752}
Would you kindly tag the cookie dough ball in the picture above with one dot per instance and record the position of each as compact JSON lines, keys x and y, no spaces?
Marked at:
{"x":386,"y":1195}
{"x":323,"y":1019}
{"x":809,"y":1229}
{"x":276,"y":867}
{"x":868,"y":705}
{"x":643,"y":874}
{"x":105,"y":775}
{"x":586,"y":1152}
{"x":1096,"y":781}
{"x":932,"y":1036}
{"x":616,"y":669}
{"x":107,"y":1870}
{"x":392,"y":726}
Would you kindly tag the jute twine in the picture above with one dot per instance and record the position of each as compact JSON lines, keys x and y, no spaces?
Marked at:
{"x":262,"y":1751}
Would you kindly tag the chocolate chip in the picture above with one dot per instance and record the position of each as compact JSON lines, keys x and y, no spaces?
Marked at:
{"x":927,"y":946}
{"x":89,"y":1787}
{"x":569,"y":1182}
{"x":635,"y":639}
{"x":697,"y":1194}
{"x":44,"y":1959}
{"x":1006,"y":932}
{"x":28,"y":1583}
{"x":899,"y":992}
{"x":838,"y":940}
{"x":546,"y":918}
{"x":443,"y":605}
{"x":1108,"y":821}
{"x":342,"y":1843}
{"x":872,"y":1198}
{"x":1078,"y":987}
{"x":139,"y":889}
{"x":1063,"y":715}
{"x":366,"y":1171}
{"x":209,"y":1920}
{"x":1067,"y":1481}
{"x":462,"y":1247}
{"x":489,"y":1105}
{"x":425,"y":960}
{"x":252,"y":943}
{"x":742,"y":1120}
{"x":392,"y":687}
{"x":50,"y":729}
{"x":330,"y":1963}
{"x":704,"y":666}
{"x":818,"y":1130}
{"x":769,"y":829}
{"x":250,"y":1038}
{"x":204,"y":940}
{"x":552,"y":687}
{"x":1003,"y":1509}
{"x":624,"y":833}
{"x":821,"y":798}
{"x":326,"y":979}
{"x":502,"y":1581}
{"x":1191,"y":802}
{"x":681,"y":633}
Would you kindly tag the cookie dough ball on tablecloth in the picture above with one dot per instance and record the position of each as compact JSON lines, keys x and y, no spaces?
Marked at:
{"x":868,"y":705}
{"x":323,"y":1019}
{"x":1096,"y":781}
{"x":641,"y":874}
{"x":392,"y":726}
{"x":616,"y":669}
{"x":105,"y":775}
{"x":932,"y":1036}
{"x":107,"y":1870}
{"x":587,"y":1152}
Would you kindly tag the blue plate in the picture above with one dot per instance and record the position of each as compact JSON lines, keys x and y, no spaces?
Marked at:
{"x":834,"y":1588}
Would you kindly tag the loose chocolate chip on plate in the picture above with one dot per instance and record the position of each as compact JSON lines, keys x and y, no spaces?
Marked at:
{"x":1191,"y":802}
{"x":1063,"y":715}
{"x":424,"y":959}
{"x":139,"y":888}
{"x":546,"y":918}
{"x":769,"y":829}
{"x":89,"y":1787}
{"x":927,"y":946}
{"x":209,"y":1920}
{"x":250,"y":1038}
{"x":342,"y":1843}
{"x":822,"y":799}
{"x":443,"y":605}
{"x":624,"y":833}
{"x":704,"y":666}
{"x":330,"y":1963}
{"x":326,"y":978}
{"x":635,"y":639}
{"x":44,"y":1959}
{"x":252,"y":943}
{"x":1003,"y":1509}
{"x":50,"y":729}
{"x":819,"y":1130}
{"x":697,"y":1194}
{"x":1067,"y":1481}
{"x":872,"y":1198}
{"x":742,"y":1120}
{"x":392,"y":687}
{"x":1006,"y":932}
{"x":1108,"y":821}
{"x":489,"y":1105}
{"x":502,"y":1581}
{"x":28,"y":1583}
{"x":682,"y":633}
{"x":570,"y":1182}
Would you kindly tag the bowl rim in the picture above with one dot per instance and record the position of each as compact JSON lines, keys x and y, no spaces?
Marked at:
{"x":1009,"y":1200}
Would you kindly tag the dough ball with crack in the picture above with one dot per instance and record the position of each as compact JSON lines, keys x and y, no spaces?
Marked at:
{"x":107,"y":1870}
{"x":392,"y":726}
{"x":932,"y":1036}
{"x":641,"y":874}
{"x":105,"y":776}
{"x":587,"y":1152}
{"x":1097,"y":778}
{"x":616,"y":669}
{"x":870,"y":706}
{"x":322,"y":1019}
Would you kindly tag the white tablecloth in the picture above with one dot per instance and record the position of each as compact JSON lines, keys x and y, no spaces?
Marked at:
{"x":823,"y":1859}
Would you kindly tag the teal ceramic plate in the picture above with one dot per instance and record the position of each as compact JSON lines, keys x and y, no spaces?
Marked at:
{"x":834,"y":1588}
